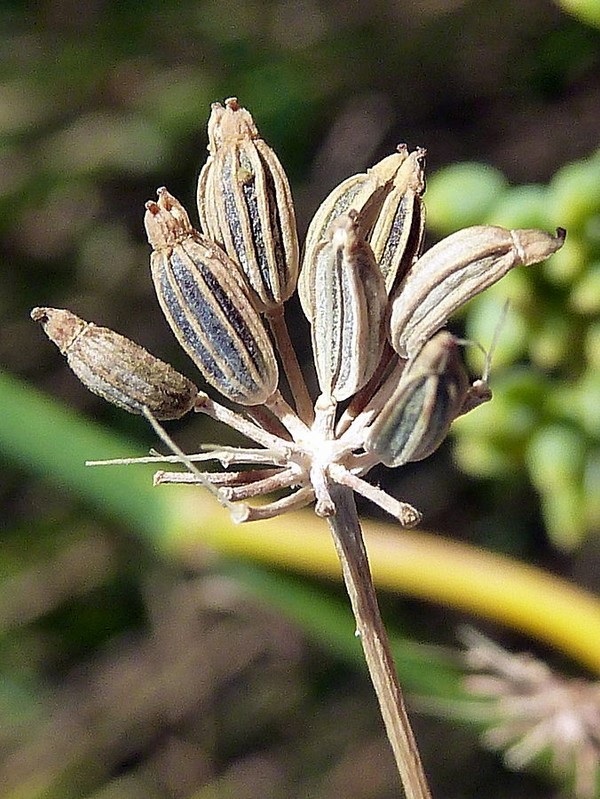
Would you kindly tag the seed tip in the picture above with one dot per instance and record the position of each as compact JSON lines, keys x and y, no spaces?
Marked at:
{"x":39,"y":314}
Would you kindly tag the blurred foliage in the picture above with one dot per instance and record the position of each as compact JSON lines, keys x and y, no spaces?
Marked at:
{"x":62,"y":567}
{"x":546,"y":366}
{"x":587,"y":10}
{"x":127,"y":673}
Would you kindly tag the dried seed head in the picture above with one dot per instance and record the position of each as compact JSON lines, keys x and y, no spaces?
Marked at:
{"x":116,"y":368}
{"x":245,"y":205}
{"x":397,"y":237}
{"x":347,"y":303}
{"x":416,"y":417}
{"x":206,"y":302}
{"x":455,"y":270}
{"x":363,"y":193}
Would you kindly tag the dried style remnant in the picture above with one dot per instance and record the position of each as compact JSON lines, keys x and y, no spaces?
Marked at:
{"x":245,"y":205}
{"x":208,"y":307}
{"x":456,"y":269}
{"x":117,"y":369}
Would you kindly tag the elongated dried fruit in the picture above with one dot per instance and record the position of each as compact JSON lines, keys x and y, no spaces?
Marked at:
{"x":207,"y":304}
{"x":397,"y":236}
{"x":245,"y":205}
{"x":347,"y":302}
{"x":363,"y":193}
{"x":116,"y":368}
{"x":416,"y":417}
{"x":455,"y":270}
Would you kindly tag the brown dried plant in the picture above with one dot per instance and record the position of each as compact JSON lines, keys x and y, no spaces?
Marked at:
{"x":390,"y":381}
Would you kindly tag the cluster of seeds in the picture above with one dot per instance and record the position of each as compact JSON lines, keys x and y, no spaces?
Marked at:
{"x":391,"y":381}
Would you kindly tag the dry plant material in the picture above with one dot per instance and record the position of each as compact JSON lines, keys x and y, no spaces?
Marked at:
{"x":532,"y":712}
{"x":347,"y":301}
{"x":456,"y":269}
{"x":397,"y":236}
{"x":245,"y":204}
{"x":363,"y":194}
{"x":361,"y":268}
{"x":208,"y":307}
{"x":420,"y":409}
{"x":117,"y":369}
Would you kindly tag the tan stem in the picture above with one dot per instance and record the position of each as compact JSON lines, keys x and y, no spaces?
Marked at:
{"x":263,"y":417}
{"x":299,"y":499}
{"x":405,"y":513}
{"x":287,"y":416}
{"x":347,"y":536}
{"x":325,"y":410}
{"x":295,"y":378}
{"x":244,"y":426}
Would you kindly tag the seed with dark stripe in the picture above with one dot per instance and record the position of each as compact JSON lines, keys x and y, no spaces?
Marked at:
{"x":245,"y":205}
{"x":416,"y":418}
{"x":364,"y":194}
{"x":208,"y":306}
{"x":456,"y":269}
{"x":397,"y":236}
{"x":346,"y":303}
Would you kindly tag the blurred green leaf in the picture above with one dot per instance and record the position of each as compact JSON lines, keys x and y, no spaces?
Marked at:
{"x":586,"y":10}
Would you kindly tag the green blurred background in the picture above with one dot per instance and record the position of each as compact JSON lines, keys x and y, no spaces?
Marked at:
{"x":126,"y":674}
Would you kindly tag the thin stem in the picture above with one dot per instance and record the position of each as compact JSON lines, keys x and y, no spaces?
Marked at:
{"x":325,"y":410}
{"x":204,"y":404}
{"x":220,"y":479}
{"x":260,"y":487}
{"x":287,"y":416}
{"x":263,"y":417}
{"x":324,"y":504}
{"x":225,"y":455}
{"x":295,"y":501}
{"x":291,"y":367}
{"x":405,"y":513}
{"x":176,"y":450}
{"x":347,"y":536}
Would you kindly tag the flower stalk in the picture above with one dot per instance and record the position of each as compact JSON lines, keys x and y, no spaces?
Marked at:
{"x":291,"y":367}
{"x":349,"y":544}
